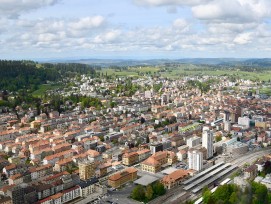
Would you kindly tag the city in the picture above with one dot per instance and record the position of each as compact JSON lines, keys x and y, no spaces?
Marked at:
{"x":176,"y":138}
{"x":135,"y":101}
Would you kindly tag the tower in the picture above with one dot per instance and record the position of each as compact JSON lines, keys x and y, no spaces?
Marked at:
{"x":207,"y":141}
{"x":195,"y":159}
{"x":86,"y":170}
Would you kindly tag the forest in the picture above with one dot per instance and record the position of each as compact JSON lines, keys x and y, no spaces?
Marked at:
{"x":28,"y":75}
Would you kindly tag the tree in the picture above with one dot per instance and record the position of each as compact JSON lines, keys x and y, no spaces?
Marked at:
{"x":149,"y":192}
{"x":234,"y":198}
{"x":224,"y":192}
{"x":207,"y":196}
{"x":260,"y":193}
{"x":112,"y":104}
{"x":102,"y":138}
{"x":159,"y":189}
{"x":138,"y":193}
{"x":218,"y":138}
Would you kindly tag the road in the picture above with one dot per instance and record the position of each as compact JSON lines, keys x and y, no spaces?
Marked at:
{"x":120,"y":196}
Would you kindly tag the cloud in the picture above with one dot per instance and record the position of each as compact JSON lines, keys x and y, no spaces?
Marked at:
{"x":108,"y":37}
{"x":13,"y":8}
{"x":180,"y":23}
{"x":243,"y":38}
{"x":87,"y":23}
{"x":153,"y":3}
{"x":233,"y":10}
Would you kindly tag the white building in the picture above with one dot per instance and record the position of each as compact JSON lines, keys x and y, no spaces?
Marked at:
{"x":227,"y":126}
{"x":207,"y":141}
{"x":244,"y":121}
{"x":193,"y":141}
{"x":195,"y":160}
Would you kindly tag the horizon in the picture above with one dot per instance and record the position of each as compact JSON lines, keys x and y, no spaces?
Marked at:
{"x":135,"y":29}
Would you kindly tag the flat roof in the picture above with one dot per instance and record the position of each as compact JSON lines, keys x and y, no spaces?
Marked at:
{"x":169,"y":170}
{"x":216,"y":177}
{"x":211,"y":174}
{"x":146,"y":180}
{"x":202,"y":173}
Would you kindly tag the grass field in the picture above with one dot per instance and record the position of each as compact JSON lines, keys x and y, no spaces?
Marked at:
{"x":145,"y":69}
{"x":45,"y":87}
{"x":175,"y":73}
{"x":189,"y":70}
{"x":111,"y":72}
{"x":266,"y":91}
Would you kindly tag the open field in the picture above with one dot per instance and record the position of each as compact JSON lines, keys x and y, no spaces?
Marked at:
{"x":188,"y":70}
{"x":145,"y":69}
{"x":111,"y":72}
{"x":175,"y":73}
{"x":45,"y":87}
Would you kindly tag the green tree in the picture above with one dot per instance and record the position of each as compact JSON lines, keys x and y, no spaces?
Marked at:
{"x":224,"y":192}
{"x":207,"y":196}
{"x":260,"y":193}
{"x":159,"y":189}
{"x":149,"y":192}
{"x":138,"y":193}
{"x":218,"y":138}
{"x":102,"y":138}
{"x":233,"y":198}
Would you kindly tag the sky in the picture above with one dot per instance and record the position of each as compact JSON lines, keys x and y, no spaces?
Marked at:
{"x":134,"y":29}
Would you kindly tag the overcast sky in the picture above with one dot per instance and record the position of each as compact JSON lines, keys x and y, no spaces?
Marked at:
{"x":134,"y":29}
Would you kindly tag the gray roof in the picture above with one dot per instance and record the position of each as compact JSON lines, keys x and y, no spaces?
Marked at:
{"x":146,"y":180}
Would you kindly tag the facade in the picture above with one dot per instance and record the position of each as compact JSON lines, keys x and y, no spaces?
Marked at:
{"x":251,"y":172}
{"x":154,"y":163}
{"x":86,"y":170}
{"x":88,"y":187}
{"x":195,"y":160}
{"x":118,"y":179}
{"x":175,"y":178}
{"x":156,"y":147}
{"x":129,"y":159}
{"x":5,"y":200}
{"x":244,"y":121}
{"x":207,"y":142}
{"x":193,"y":141}
{"x":143,"y":154}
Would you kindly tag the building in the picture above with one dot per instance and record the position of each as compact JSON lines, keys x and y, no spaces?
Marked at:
{"x":244,"y":121}
{"x":129,"y":159}
{"x":5,"y":200}
{"x":86,"y":170}
{"x":181,"y":155}
{"x":195,"y":159}
{"x":175,"y":178}
{"x":193,"y":141}
{"x":207,"y":142}
{"x":227,"y":126}
{"x":143,"y":154}
{"x":156,"y":147}
{"x":251,"y":172}
{"x":120,"y":178}
{"x":154,"y":163}
{"x":88,"y":187}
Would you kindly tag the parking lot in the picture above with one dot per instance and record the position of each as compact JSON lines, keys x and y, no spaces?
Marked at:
{"x":118,"y":196}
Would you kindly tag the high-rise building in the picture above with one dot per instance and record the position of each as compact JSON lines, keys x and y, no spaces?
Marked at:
{"x":195,"y":159}
{"x":86,"y":170}
{"x":207,"y":141}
